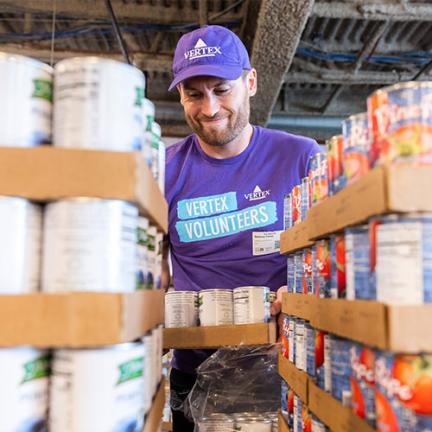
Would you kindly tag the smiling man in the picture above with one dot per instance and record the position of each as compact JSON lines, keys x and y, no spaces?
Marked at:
{"x":224,"y":184}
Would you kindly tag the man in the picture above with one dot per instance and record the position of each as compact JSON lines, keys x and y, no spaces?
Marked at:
{"x":224,"y":184}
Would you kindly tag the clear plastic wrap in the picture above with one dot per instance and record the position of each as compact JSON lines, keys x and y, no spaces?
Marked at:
{"x":237,"y":388}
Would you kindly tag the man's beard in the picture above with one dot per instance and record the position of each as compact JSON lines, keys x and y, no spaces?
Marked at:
{"x":218,"y":137}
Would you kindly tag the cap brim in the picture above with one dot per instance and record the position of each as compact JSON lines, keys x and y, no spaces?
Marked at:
{"x":224,"y":72}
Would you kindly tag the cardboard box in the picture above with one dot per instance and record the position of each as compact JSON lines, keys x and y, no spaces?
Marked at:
{"x":282,"y":423}
{"x":154,"y":416}
{"x":300,"y":305}
{"x":81,"y":319}
{"x":298,"y":380}
{"x":331,"y":412}
{"x":219,"y":336}
{"x":49,"y":173}
{"x":397,"y":188}
{"x":295,"y":238}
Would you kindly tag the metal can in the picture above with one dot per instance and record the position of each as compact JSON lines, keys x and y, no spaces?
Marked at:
{"x":308,"y":287}
{"x":97,"y":389}
{"x":253,"y":424}
{"x":318,"y":177}
{"x":284,"y":397}
{"x":338,"y":276}
{"x":20,"y":251}
{"x":305,"y":198}
{"x":341,"y":369}
{"x":26,"y":87}
{"x":288,"y":211}
{"x":403,"y":392}
{"x":98,"y":104}
{"x":285,"y":336}
{"x":319,"y":358}
{"x":335,"y":171}
{"x":24,"y":391}
{"x":151,"y":253}
{"x":150,"y":374}
{"x":404,"y":259}
{"x":215,"y":307}
{"x":327,"y":363}
{"x":300,"y":344}
{"x":310,"y":350}
{"x":378,"y":124}
{"x":90,"y":245}
{"x":181,"y":309}
{"x":216,"y":423}
{"x":143,"y":271}
{"x":291,"y":396}
{"x":148,"y":108}
{"x":402,"y":121}
{"x":161,"y":169}
{"x":323,"y":268}
{"x":363,"y":382}
{"x":299,"y":284}
{"x":292,"y":339}
{"x":297,"y":415}
{"x":356,"y":147}
{"x":291,"y":273}
{"x":251,"y":304}
{"x":296,"y":204}
{"x":158,"y":261}
{"x":156,"y":136}
{"x":306,"y":419}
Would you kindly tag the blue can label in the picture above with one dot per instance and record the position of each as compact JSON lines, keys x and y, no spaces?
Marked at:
{"x":341,"y":369}
{"x":310,"y":350}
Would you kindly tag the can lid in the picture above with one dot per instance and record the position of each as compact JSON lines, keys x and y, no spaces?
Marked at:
{"x":23,"y":59}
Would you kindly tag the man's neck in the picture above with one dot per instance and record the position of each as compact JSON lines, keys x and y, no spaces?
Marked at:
{"x":231,"y":149}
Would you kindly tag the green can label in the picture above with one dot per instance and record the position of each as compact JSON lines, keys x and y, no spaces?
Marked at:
{"x":43,"y":89}
{"x":130,"y":370}
{"x":38,"y":368}
{"x":139,"y":96}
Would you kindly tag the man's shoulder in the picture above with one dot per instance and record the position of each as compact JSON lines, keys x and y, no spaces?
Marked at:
{"x":179,"y":149}
{"x":287,"y":140}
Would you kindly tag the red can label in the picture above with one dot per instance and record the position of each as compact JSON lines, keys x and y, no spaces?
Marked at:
{"x":335,"y":172}
{"x":296,"y":204}
{"x":323,"y":266}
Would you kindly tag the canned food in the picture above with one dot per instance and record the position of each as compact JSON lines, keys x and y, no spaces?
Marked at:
{"x":291,"y":273}
{"x":318,"y":178}
{"x":156,"y":136}
{"x":300,"y":344}
{"x":215,"y":307}
{"x":20,"y":250}
{"x":328,"y":363}
{"x":305,"y":198}
{"x":251,"y":304}
{"x":284,"y":397}
{"x":90,"y":245}
{"x":292,"y":339}
{"x":341,"y":369}
{"x":310,"y":350}
{"x":402,"y":121}
{"x":161,"y":169}
{"x":181,"y":309}
{"x":404,"y":259}
{"x":150,"y":374}
{"x":323,"y":268}
{"x":363,"y":382}
{"x":356,"y":147}
{"x":24,"y":379}
{"x":148,"y":108}
{"x":288,"y":211}
{"x":335,"y":172}
{"x":98,"y":104}
{"x":97,"y":389}
{"x":297,"y":415}
{"x":296,"y":204}
{"x":308,"y":287}
{"x":299,"y":283}
{"x":285,"y":336}
{"x":158,"y":261}
{"x":151,"y":254}
{"x":319,"y":358}
{"x":26,"y":94}
{"x":403,"y":389}
{"x":142,"y":254}
{"x":291,"y":395}
{"x":306,"y":419}
{"x":338,"y":276}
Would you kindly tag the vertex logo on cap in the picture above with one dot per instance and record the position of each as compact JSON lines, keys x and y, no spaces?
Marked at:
{"x":202,"y":50}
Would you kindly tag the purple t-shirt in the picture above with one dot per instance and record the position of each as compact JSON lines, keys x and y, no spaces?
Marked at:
{"x":225,"y":215}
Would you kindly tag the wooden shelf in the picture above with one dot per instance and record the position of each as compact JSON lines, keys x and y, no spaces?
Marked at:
{"x":295,"y":238}
{"x":78,"y":319}
{"x":219,"y":336}
{"x":283,"y":425}
{"x":154,"y":417}
{"x":49,"y":173}
{"x":297,"y":379}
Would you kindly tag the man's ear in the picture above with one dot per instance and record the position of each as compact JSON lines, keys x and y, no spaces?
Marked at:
{"x":252,"y":82}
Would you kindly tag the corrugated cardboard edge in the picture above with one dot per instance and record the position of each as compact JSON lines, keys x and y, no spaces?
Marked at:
{"x":154,"y":417}
{"x":409,"y":328}
{"x":295,"y":238}
{"x":283,"y":425}
{"x":300,"y":305}
{"x":359,"y":320}
{"x":295,"y":378}
{"x":219,"y":336}
{"x":352,"y":205}
{"x":331,"y":412}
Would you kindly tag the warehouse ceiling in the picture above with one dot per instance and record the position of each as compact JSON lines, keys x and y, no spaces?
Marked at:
{"x":317,"y":61}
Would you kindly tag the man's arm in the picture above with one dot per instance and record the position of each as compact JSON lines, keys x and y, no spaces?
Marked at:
{"x":165,"y":276}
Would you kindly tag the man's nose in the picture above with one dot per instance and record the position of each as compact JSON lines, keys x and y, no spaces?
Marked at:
{"x":210,"y":106}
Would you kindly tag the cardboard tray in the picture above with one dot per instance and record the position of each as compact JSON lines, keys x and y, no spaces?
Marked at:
{"x":389,"y":327}
{"x":79,"y":319}
{"x":298,"y":380}
{"x":331,"y":412}
{"x":283,"y":425}
{"x":395,"y":188}
{"x":219,"y":336}
{"x":50,"y":173}
{"x":295,"y":238}
{"x":154,"y":416}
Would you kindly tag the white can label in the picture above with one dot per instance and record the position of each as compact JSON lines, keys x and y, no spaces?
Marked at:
{"x":300,"y":348}
{"x":181,"y":309}
{"x":251,"y":305}
{"x":215,"y":307}
{"x":327,"y":364}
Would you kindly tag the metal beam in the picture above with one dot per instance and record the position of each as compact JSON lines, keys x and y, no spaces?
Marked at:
{"x":390,"y":10}
{"x":280,"y":25}
{"x":132,"y":11}
{"x":145,"y":61}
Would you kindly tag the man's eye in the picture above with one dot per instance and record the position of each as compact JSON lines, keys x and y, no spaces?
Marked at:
{"x":221,"y":91}
{"x":193,"y":95}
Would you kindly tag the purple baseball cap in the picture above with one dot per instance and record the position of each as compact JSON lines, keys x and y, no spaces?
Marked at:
{"x":212,"y":51}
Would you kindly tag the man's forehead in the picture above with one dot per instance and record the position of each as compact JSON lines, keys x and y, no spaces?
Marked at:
{"x":208,"y":81}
